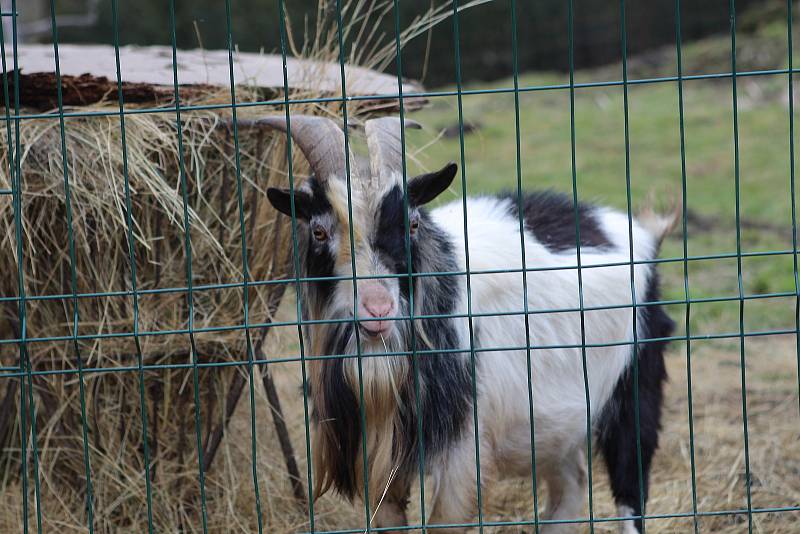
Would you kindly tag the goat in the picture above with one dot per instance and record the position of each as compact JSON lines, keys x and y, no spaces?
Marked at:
{"x":411,"y":388}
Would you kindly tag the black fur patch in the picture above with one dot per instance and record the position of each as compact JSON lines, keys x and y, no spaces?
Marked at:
{"x":617,"y":424}
{"x":318,"y":259}
{"x":445,"y":403}
{"x":320,"y":265}
{"x":550,"y":217}
{"x":390,"y":238}
{"x":339,"y":414}
{"x":446,"y":398}
{"x":339,"y":417}
{"x":319,"y":200}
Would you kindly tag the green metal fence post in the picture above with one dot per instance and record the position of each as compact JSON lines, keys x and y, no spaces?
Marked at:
{"x":134,"y":278}
{"x":579,"y":266}
{"x":28,"y":411}
{"x":634,"y":310}
{"x":742,"y":363}
{"x":407,"y":245}
{"x":354,"y":278}
{"x":296,"y":263}
{"x":472,"y":351}
{"x":245,"y":269}
{"x":25,"y":379}
{"x":523,"y":258}
{"x":187,"y":245}
{"x":792,"y":189}
{"x":685,"y":231}
{"x":73,"y":272}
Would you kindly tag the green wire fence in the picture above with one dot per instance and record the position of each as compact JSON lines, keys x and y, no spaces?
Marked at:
{"x":24,"y":373}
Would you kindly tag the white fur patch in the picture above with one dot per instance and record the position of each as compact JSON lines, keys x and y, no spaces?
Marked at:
{"x":626,"y":527}
{"x":559,"y":392}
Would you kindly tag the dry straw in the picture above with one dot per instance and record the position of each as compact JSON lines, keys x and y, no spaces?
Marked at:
{"x":113,"y":419}
{"x":94,"y":166}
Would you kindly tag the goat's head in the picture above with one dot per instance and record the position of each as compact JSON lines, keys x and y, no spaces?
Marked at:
{"x":363,"y":222}
{"x":358,"y":222}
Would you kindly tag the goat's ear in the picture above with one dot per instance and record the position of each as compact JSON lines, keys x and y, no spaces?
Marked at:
{"x":425,"y":187}
{"x":281,"y":200}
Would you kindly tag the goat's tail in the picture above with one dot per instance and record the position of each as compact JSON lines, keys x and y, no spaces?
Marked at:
{"x":657,"y":220}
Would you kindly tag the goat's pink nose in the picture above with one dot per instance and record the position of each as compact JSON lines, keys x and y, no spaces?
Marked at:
{"x":378,"y":307}
{"x":375,"y":302}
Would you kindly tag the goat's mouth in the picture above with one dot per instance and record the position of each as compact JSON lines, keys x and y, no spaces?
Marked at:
{"x":375,"y":329}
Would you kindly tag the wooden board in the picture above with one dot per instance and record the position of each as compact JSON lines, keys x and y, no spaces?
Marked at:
{"x":89,"y":74}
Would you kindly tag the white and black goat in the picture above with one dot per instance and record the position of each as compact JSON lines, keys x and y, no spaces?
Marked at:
{"x":441,"y":395}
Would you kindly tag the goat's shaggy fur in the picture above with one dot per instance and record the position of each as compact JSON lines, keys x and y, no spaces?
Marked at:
{"x":409,"y":390}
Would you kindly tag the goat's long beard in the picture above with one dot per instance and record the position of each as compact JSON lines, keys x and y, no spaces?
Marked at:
{"x":378,"y":383}
{"x":383,"y":378}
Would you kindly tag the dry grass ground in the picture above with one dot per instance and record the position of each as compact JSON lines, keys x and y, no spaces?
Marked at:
{"x":774,"y":435}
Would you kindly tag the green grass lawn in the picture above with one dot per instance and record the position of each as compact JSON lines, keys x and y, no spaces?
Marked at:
{"x":490,"y":164}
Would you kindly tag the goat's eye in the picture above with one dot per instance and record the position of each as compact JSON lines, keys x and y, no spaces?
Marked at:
{"x":413,"y":225}
{"x":319,"y":233}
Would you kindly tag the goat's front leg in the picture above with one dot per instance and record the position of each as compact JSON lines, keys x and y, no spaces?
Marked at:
{"x":567,"y":489}
{"x":392,"y":510}
{"x":455,"y":500}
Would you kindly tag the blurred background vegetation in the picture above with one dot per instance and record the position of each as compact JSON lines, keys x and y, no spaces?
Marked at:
{"x":485,"y":30}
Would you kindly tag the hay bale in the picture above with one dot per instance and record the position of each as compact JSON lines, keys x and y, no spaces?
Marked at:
{"x":102,"y":315}
{"x":105,"y":303}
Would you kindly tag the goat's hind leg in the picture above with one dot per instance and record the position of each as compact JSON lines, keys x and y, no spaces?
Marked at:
{"x":629,"y":439}
{"x":621,"y":453}
{"x":626,"y":440}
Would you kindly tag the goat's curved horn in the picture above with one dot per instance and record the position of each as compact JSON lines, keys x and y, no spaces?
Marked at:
{"x":321,"y":141}
{"x":385,"y":148}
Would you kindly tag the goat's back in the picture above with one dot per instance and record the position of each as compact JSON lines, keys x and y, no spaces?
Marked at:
{"x":556,"y":291}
